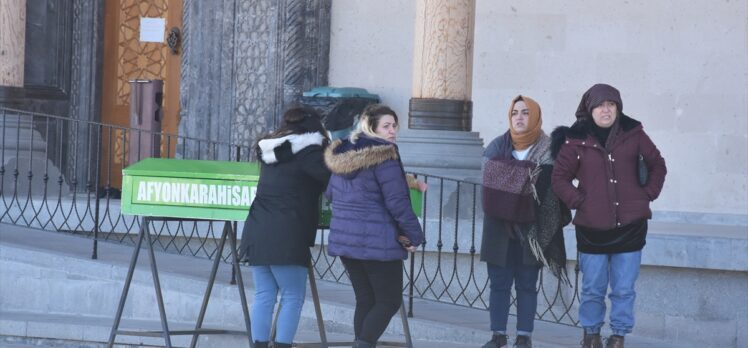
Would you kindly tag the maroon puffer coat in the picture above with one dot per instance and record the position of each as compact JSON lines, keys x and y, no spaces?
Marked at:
{"x":608,"y":193}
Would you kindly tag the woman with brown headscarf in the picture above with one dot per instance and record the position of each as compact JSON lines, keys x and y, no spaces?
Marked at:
{"x":523,"y":220}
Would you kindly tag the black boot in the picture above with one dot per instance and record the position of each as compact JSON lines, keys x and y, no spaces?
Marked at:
{"x":615,"y":341}
{"x":523,"y":342}
{"x":282,"y":345}
{"x":259,"y":344}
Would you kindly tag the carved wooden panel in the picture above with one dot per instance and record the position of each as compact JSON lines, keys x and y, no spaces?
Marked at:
{"x":126,"y":58}
{"x":48,"y":31}
{"x":255,"y":42}
{"x":263,"y":53}
{"x":139,"y":60}
{"x":282,"y":49}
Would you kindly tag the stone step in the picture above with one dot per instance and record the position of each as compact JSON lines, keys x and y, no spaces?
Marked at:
{"x":24,"y":149}
{"x":65,"y":271}
{"x":22,"y":330}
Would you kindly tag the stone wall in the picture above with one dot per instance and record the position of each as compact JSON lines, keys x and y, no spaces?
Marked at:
{"x":682,"y":69}
{"x":382,"y":62}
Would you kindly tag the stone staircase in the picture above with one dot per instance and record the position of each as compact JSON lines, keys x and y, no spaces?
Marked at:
{"x":53,"y":294}
{"x":24,"y":149}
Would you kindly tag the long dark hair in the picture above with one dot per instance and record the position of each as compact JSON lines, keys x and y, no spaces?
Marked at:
{"x":297,"y":120}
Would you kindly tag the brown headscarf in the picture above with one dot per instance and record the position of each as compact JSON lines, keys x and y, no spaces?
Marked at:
{"x":521,"y":141}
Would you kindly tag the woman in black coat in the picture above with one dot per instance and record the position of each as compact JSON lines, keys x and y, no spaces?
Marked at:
{"x":282,"y":222}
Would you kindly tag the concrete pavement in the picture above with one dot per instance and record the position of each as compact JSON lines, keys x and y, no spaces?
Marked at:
{"x":51,"y":288}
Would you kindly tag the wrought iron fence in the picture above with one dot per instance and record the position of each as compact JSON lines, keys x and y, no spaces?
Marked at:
{"x":61,"y":174}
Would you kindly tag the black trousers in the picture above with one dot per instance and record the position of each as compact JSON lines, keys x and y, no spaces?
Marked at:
{"x":378,"y":286}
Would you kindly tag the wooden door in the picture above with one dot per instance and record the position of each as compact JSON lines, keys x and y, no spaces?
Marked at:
{"x":125,"y":59}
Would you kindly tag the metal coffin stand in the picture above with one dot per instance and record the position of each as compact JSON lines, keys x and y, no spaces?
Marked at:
{"x":145,"y":185}
{"x":228,"y":232}
{"x":150,"y":172}
{"x":165,"y":333}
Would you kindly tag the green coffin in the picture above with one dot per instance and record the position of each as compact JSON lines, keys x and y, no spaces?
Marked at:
{"x":325,"y":214}
{"x":197,"y":189}
{"x":193,"y":189}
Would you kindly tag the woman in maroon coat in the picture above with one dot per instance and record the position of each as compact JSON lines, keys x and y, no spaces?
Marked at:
{"x":601,"y":151}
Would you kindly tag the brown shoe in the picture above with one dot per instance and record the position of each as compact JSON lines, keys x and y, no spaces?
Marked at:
{"x":592,"y":341}
{"x":523,"y":342}
{"x":497,"y":341}
{"x":614,"y":341}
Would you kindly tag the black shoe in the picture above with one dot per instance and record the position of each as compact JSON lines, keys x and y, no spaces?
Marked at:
{"x":259,"y":344}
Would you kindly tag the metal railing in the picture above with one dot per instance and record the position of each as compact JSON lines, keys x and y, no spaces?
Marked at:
{"x":60,"y":174}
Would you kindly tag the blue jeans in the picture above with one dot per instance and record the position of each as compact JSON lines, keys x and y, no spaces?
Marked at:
{"x":291,"y":281}
{"x":599,"y":270}
{"x":525,"y":280}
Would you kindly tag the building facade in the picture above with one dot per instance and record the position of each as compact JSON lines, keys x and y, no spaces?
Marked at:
{"x":231,"y":66}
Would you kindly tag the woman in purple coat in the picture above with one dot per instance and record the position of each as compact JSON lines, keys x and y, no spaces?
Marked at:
{"x":373,"y":225}
{"x":602,"y":151}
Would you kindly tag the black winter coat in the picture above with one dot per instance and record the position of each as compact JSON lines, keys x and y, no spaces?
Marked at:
{"x":283,"y":218}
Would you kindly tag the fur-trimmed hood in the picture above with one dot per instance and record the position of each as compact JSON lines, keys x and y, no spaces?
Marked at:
{"x":582,"y":128}
{"x":276,"y":150}
{"x":347,"y":159}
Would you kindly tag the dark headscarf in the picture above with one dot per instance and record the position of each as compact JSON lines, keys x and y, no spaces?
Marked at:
{"x":591,"y":99}
{"x":595,"y":96}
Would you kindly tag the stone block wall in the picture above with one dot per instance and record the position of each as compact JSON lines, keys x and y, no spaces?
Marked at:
{"x":682,"y":69}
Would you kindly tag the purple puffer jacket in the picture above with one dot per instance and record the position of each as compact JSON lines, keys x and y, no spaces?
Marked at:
{"x":370,"y":201}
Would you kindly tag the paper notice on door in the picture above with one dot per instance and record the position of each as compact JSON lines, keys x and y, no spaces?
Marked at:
{"x":152,"y":29}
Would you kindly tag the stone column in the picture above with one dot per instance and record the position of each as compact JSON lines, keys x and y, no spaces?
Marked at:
{"x":12,"y":42}
{"x":443,"y":65}
{"x":439,"y":140}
